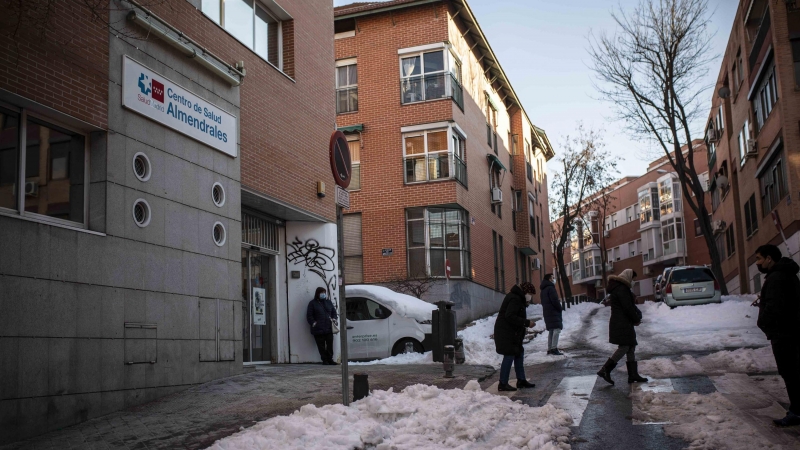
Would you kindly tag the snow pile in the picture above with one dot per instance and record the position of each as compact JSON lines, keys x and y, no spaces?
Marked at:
{"x":418,"y":417}
{"x":405,"y":305}
{"x":705,"y":421}
{"x":402,"y":358}
{"x":743,"y":360}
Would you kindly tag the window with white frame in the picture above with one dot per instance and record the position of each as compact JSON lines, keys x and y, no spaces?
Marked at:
{"x":744,"y":136}
{"x":430,"y":75}
{"x":355,"y":158}
{"x":250,"y":23}
{"x":766,"y":95}
{"x":531,"y":214}
{"x":436,"y":235}
{"x":434,"y":154}
{"x":43,"y":168}
{"x":772,"y":180}
{"x":346,"y":86}
{"x":671,"y":232}
{"x":628,"y":214}
{"x":648,"y":205}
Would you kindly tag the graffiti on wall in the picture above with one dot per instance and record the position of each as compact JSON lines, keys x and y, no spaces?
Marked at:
{"x":318,"y":260}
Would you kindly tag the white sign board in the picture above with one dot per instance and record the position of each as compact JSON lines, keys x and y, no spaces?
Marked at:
{"x":163,"y":101}
{"x":342,"y":197}
{"x":259,"y":306}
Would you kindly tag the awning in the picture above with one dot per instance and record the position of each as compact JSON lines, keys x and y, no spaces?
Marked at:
{"x":494,"y":159}
{"x":491,"y":101}
{"x":352,"y":128}
{"x":528,"y":251}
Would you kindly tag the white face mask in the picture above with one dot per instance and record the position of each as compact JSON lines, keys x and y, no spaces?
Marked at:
{"x":528,"y":297}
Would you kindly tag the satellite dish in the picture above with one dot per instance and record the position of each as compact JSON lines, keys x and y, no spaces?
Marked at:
{"x":722,"y":182}
{"x":724,"y":92}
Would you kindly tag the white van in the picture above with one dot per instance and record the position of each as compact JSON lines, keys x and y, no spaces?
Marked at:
{"x":381,"y":321}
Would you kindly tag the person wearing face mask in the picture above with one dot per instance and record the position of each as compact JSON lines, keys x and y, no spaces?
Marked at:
{"x":319,"y":314}
{"x":779,"y":319}
{"x":509,"y":333}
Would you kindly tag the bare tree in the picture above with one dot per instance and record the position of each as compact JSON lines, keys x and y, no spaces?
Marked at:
{"x":584,"y":167}
{"x":416,"y":287}
{"x":603,"y":203}
{"x":651,"y":69}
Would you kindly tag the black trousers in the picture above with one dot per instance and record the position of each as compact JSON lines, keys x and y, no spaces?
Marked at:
{"x":787,"y":357}
{"x":325,"y":346}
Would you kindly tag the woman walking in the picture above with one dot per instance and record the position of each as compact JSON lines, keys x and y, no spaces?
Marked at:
{"x":509,"y":333}
{"x":319,"y":314}
{"x":624,"y":317}
{"x":551,"y":310}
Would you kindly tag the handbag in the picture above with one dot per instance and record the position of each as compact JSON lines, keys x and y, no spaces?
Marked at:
{"x":334,"y":327}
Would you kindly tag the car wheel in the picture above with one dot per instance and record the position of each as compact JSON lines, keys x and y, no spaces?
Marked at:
{"x":400,"y":346}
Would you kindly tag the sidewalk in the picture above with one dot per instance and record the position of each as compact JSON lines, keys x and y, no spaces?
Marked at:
{"x":199,"y":416}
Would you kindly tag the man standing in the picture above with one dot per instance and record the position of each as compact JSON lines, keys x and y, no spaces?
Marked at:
{"x":551,"y":310}
{"x":779,"y":319}
{"x":509,"y":334}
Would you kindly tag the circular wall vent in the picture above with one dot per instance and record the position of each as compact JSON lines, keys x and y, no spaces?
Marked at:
{"x":219,"y":234}
{"x":218,"y":194}
{"x":141,"y":166}
{"x":141,"y":212}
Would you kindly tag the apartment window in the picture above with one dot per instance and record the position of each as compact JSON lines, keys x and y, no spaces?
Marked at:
{"x":250,"y":23}
{"x":730,"y":241}
{"x":496,"y":262}
{"x":502,"y":264}
{"x":608,"y":223}
{"x":648,"y":205}
{"x":715,"y":198}
{"x":773,"y":183}
{"x":429,"y":76}
{"x":617,"y":254}
{"x":434,"y":155}
{"x":671,"y":233}
{"x":528,"y":165}
{"x":346,"y":88}
{"x":744,"y":136}
{"x":614,"y":220}
{"x":532,"y":215}
{"x":719,"y":241}
{"x":355,"y":157}
{"x":765,"y":97}
{"x":698,"y":230}
{"x":576,"y":266}
{"x":738,"y":71}
{"x":628,"y":214}
{"x":750,"y":217}
{"x":53,"y":162}
{"x":353,"y":249}
{"x":796,"y":59}
{"x":436,"y":234}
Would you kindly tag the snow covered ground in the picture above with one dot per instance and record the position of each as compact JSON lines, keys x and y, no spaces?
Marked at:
{"x":418,"y":417}
{"x":743,"y":360}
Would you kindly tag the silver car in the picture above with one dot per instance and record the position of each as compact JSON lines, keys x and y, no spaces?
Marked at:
{"x":691,"y":285}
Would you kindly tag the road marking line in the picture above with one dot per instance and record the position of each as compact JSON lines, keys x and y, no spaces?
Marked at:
{"x":572,"y":395}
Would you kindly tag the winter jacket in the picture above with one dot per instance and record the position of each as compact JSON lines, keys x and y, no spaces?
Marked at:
{"x":779,"y":309}
{"x":624,"y":313}
{"x":509,"y":328}
{"x":319,"y":314}
{"x":551,"y":307}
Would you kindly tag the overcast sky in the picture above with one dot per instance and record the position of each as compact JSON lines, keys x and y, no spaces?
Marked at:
{"x":542,"y":45}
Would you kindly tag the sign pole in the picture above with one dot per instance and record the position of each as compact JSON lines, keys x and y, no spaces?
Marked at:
{"x":776,"y":219}
{"x":342,"y":308}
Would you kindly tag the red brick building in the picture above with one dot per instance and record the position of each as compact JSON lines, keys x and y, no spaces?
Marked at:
{"x":753,"y":136}
{"x":646,"y":227}
{"x":450,"y":165}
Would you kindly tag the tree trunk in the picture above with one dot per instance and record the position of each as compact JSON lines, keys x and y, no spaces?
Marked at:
{"x":564,"y":280}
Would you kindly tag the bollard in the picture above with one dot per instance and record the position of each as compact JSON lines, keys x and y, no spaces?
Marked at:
{"x":409,"y":347}
{"x":460,"y":357}
{"x":360,"y":386}
{"x":448,"y":362}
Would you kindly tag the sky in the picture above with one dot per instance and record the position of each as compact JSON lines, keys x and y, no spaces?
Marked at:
{"x":542,"y":46}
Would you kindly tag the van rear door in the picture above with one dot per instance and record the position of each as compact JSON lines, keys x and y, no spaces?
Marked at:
{"x":692,"y":283}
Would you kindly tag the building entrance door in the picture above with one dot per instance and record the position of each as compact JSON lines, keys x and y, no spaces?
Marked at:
{"x":257,"y":292}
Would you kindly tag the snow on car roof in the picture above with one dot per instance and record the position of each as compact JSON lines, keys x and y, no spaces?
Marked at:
{"x":405,"y":305}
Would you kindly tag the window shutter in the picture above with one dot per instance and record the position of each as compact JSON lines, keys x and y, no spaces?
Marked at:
{"x":353,"y":250}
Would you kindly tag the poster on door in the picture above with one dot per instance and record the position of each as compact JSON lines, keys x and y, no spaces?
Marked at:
{"x":259,"y":306}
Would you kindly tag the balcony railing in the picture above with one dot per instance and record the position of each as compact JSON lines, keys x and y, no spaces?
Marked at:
{"x":460,"y":171}
{"x":346,"y":100}
{"x":431,"y":87}
{"x":437,"y":166}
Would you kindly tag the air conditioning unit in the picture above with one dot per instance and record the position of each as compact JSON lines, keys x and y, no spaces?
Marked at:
{"x":717,"y":226}
{"x":598,"y":283}
{"x":752,"y":147}
{"x":536,"y":263}
{"x":647,"y":270}
{"x":31,"y":188}
{"x":606,"y":233}
{"x":497,"y":195}
{"x":609,"y":266}
{"x":722,"y":182}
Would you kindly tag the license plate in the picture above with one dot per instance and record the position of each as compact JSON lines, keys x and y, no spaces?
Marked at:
{"x":687,"y":290}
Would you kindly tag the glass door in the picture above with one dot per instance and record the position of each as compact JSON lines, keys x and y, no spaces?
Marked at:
{"x":256,"y":295}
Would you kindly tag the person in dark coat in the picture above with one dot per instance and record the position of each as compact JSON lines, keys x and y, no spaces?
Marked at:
{"x":319,"y":313}
{"x":551,"y":310}
{"x":624,"y":317}
{"x":509,"y":333}
{"x":779,"y":319}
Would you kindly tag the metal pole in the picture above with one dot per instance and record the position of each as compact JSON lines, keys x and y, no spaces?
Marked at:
{"x":342,"y":308}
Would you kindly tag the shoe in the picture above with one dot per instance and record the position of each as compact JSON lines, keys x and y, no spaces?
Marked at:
{"x":790,"y":420}
{"x":605,"y":371}
{"x":555,"y":352}
{"x":633,"y":373}
{"x":505,"y":387}
{"x":549,"y":352}
{"x":525,"y":384}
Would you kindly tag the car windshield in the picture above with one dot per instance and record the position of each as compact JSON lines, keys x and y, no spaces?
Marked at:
{"x":695,"y":275}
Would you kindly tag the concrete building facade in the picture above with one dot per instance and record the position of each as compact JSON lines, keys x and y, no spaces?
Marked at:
{"x":158,"y":207}
{"x":753,"y":138}
{"x":647,"y":226}
{"x":442,"y":144}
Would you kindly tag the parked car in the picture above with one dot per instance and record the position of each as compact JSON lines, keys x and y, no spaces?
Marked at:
{"x":691,"y":285}
{"x":657,"y":288}
{"x":381,"y":321}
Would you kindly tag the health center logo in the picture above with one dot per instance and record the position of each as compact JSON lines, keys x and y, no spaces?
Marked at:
{"x":145,"y":85}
